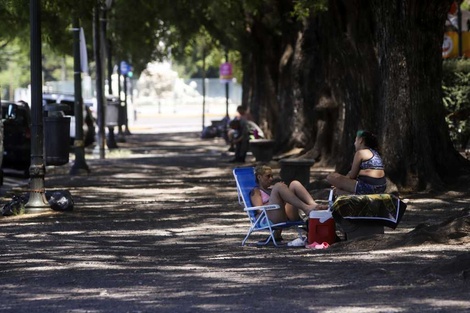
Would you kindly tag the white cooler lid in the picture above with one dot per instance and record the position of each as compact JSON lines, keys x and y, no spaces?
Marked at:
{"x":323,"y":215}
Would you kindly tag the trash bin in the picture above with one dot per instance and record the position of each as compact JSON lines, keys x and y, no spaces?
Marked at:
{"x":262,"y":149}
{"x":111,"y":120}
{"x":56,"y":135}
{"x":296,"y":169}
{"x":112,"y":111}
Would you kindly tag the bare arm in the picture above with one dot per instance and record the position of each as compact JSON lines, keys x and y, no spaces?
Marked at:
{"x":355,"y":167}
{"x":255,"y":196}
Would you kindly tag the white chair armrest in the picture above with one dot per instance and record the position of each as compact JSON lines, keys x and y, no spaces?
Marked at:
{"x":263,"y":207}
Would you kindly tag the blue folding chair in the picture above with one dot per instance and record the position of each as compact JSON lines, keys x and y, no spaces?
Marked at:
{"x":245,"y":179}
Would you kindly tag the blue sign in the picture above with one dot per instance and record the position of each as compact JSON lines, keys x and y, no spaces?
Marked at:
{"x":124,"y":67}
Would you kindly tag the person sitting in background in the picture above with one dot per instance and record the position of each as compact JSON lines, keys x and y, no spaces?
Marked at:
{"x":241,"y":140}
{"x":367,"y":174}
{"x":254,"y":130}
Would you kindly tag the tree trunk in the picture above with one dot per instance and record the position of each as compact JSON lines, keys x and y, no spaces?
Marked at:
{"x":372,"y":65}
{"x":418,"y":152}
{"x":267,"y":77}
{"x":341,"y":80}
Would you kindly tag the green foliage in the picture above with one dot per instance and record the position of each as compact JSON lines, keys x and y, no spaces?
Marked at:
{"x":465,"y":5}
{"x":135,"y":30}
{"x":226,"y":25}
{"x":14,"y":68}
{"x":182,"y":30}
{"x":145,"y":30}
{"x":456,"y":98}
{"x":306,"y":8}
{"x":190,"y":63}
{"x":14,"y":18}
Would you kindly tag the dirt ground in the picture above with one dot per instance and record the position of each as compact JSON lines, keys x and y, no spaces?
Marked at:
{"x":157,"y":228}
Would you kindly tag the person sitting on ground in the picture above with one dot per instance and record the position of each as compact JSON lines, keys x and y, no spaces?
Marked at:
{"x":367,"y":174}
{"x":290,"y":198}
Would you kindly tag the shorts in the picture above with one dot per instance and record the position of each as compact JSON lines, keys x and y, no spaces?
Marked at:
{"x":369,"y":185}
{"x":264,"y":222}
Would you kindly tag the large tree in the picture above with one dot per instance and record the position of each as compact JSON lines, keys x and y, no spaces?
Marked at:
{"x":381,"y":70}
{"x":416,"y":139}
{"x":313,"y":81}
{"x":360,"y":64}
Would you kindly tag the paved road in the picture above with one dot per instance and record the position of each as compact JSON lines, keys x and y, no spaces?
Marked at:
{"x":12,"y":179}
{"x":150,"y":120}
{"x":157,"y":228}
{"x":183,"y":118}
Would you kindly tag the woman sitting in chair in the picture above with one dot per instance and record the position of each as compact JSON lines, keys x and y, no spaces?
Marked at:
{"x":290,"y":198}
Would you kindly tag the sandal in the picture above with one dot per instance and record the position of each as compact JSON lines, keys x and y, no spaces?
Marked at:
{"x":318,"y":246}
{"x":298,"y":242}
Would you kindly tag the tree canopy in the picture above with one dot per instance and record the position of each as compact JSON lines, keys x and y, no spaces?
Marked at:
{"x":313,"y":72}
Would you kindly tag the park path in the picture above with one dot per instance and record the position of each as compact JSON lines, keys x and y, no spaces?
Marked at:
{"x":157,"y":228}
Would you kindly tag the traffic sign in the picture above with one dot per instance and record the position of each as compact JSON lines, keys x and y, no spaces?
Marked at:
{"x":225,"y":71}
{"x":124,"y":68}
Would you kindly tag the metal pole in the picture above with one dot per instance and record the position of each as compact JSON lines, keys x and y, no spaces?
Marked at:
{"x":203,"y":87}
{"x":110,"y":140}
{"x":459,"y":30}
{"x":226,"y":87}
{"x":79,"y":166}
{"x":99,"y":81}
{"x":121,"y":136}
{"x":109,"y":50}
{"x":126,"y":118}
{"x":37,"y":199}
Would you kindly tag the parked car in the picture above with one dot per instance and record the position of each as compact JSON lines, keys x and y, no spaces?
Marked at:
{"x":16,"y":119}
{"x":89,"y":124}
{"x":1,"y":151}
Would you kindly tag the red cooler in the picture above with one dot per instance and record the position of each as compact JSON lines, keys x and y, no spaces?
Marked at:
{"x":321,"y":227}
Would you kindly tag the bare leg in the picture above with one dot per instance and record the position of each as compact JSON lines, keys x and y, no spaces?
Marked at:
{"x":343,"y":184}
{"x":292,"y":212}
{"x":299,"y":190}
{"x":281,"y":195}
{"x":278,"y":234}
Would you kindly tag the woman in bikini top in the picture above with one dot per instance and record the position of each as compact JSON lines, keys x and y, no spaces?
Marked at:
{"x":290,"y":198}
{"x":367,"y":174}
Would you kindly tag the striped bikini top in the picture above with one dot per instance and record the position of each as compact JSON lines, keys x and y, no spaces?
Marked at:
{"x":374,"y":163}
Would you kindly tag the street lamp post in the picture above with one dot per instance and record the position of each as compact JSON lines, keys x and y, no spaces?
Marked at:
{"x":108,"y":44}
{"x":226,"y":88}
{"x":79,"y":165}
{"x":459,"y":28}
{"x":110,"y":140}
{"x":37,"y":199}
{"x":99,"y":81}
{"x":203,"y":86}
